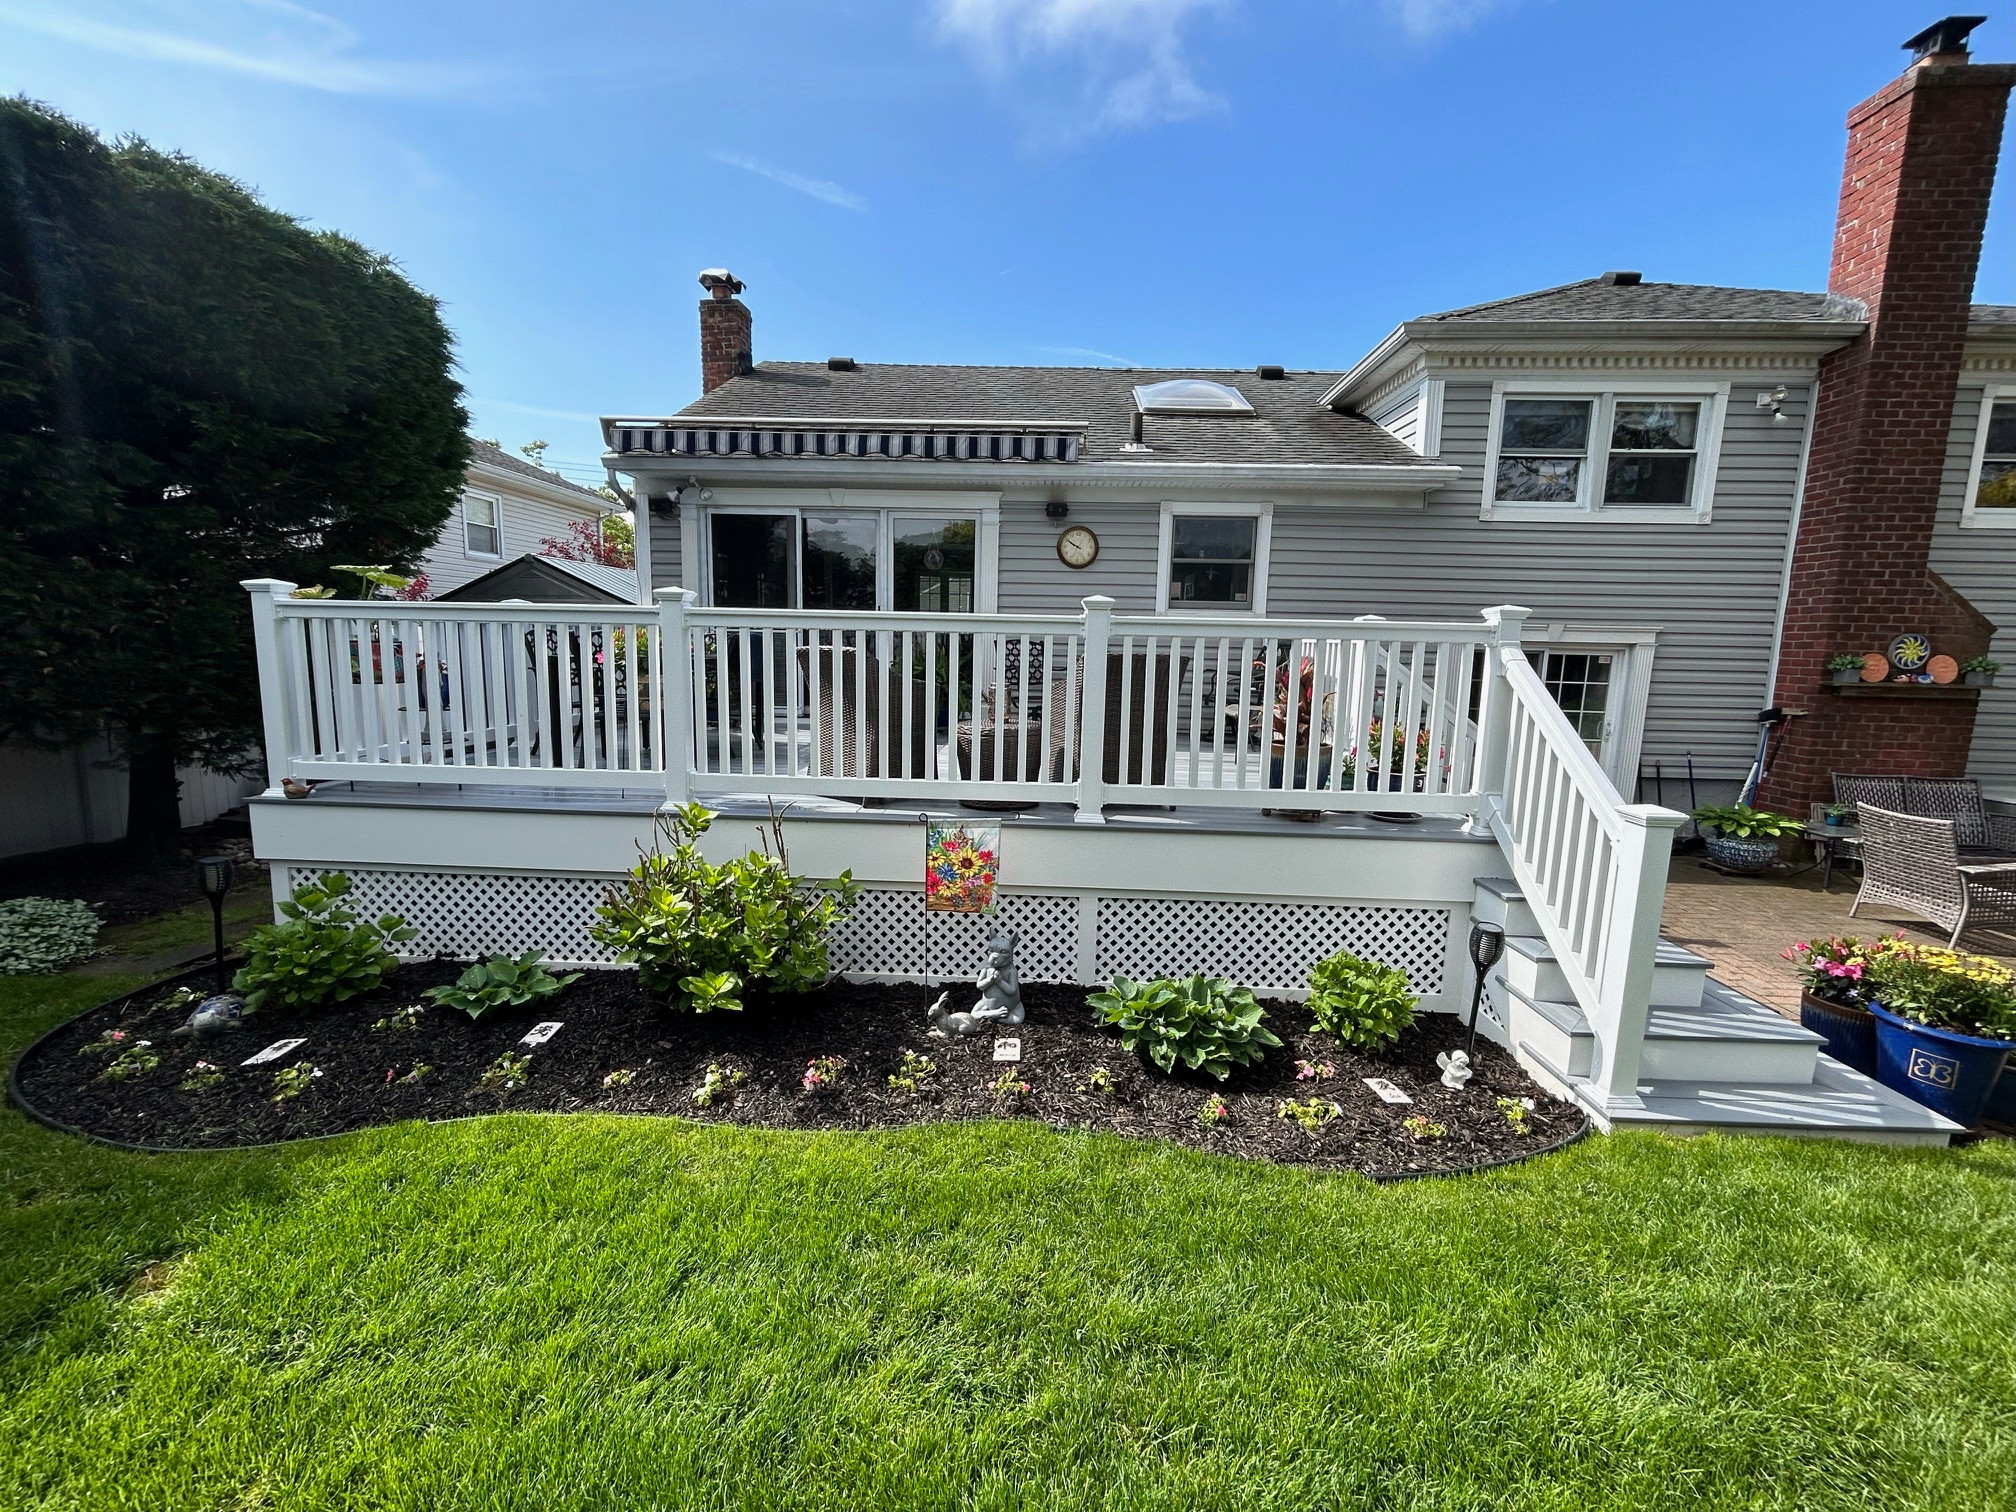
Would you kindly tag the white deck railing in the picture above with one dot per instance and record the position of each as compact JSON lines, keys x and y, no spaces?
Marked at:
{"x":1087,"y":709}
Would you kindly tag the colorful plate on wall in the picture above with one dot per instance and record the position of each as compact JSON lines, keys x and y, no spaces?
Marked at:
{"x":1943,"y":669}
{"x":1875,"y":667}
{"x":1910,"y":652}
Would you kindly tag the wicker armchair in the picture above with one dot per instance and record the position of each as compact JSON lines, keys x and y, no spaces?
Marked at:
{"x":1915,"y":863}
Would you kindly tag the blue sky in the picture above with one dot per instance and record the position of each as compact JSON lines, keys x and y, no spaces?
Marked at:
{"x":1155,"y":182}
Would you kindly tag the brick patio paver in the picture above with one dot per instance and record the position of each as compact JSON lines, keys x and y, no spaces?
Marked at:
{"x":1742,"y":923}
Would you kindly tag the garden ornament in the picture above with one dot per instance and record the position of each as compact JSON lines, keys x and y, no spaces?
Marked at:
{"x":1456,"y":1069}
{"x":214,"y":1015}
{"x":1000,"y":999}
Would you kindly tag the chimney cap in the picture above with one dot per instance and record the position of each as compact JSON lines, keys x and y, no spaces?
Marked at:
{"x":1622,"y":280}
{"x":1947,"y":36}
{"x":720,"y":283}
{"x":841,"y":365}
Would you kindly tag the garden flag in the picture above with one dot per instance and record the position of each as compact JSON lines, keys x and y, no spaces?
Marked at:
{"x":961,"y":864}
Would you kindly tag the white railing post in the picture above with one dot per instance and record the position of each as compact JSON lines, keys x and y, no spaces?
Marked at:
{"x":1631,"y":949}
{"x":675,"y":716}
{"x":276,"y":699}
{"x":1092,"y":711}
{"x":1508,"y":623}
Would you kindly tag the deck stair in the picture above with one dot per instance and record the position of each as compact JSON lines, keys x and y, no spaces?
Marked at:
{"x":1713,"y":1058}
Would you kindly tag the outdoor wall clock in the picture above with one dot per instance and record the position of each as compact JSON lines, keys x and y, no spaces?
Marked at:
{"x":1078,"y":547}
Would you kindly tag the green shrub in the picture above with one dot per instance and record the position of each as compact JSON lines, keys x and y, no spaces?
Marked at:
{"x":320,"y":953}
{"x":1203,"y":1023}
{"x":501,"y":982}
{"x":699,"y":933}
{"x":1362,"y":1002}
{"x":1739,"y":821}
{"x":45,"y":934}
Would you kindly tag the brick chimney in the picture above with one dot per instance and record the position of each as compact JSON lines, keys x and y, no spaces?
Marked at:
{"x":724,"y":330}
{"x":1914,"y":200}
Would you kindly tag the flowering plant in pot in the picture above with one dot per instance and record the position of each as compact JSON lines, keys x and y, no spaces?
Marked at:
{"x":1846,"y":667}
{"x":1833,"y":986}
{"x":1945,"y":1024}
{"x":1979,"y":671}
{"x":1740,"y":837}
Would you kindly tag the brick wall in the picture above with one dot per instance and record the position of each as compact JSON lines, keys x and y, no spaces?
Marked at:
{"x":725,"y":346}
{"x":1914,"y":199}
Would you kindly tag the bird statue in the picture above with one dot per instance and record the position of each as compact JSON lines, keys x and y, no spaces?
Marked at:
{"x":213,"y":1016}
{"x":294,"y":787}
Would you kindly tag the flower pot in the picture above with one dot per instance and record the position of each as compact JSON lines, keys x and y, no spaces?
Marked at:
{"x":1837,"y":821}
{"x":1752,"y":855}
{"x":1977,"y":680}
{"x":1277,"y":768}
{"x":1849,"y":1030}
{"x":1844,"y":675}
{"x":1949,"y":1072}
{"x":2001,"y":1107}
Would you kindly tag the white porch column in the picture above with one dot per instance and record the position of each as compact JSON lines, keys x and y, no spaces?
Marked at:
{"x":276,"y":699}
{"x":1092,"y":711}
{"x":1624,"y":990}
{"x":1508,"y":621}
{"x":675,"y":719}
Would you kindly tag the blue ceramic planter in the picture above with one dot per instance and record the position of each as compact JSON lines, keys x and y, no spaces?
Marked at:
{"x":1949,"y":1073}
{"x":1849,"y":1031}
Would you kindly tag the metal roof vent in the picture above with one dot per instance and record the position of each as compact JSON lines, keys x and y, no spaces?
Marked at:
{"x":842,"y":365}
{"x":1270,"y":370}
{"x":1190,"y":396}
{"x":1622,"y":280}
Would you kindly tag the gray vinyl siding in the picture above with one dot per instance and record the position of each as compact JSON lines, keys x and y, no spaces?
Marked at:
{"x":1400,"y":414}
{"x":666,"y":541}
{"x":1034,"y":581}
{"x":524,"y":522}
{"x":1981,"y":564}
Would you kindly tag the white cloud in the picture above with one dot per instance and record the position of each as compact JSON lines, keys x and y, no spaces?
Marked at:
{"x":1105,"y":357}
{"x":276,"y":40}
{"x":1430,"y":20}
{"x":819,"y":189}
{"x":1130,"y":52}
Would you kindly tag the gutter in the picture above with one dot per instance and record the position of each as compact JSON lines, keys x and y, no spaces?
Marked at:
{"x":823,"y":472}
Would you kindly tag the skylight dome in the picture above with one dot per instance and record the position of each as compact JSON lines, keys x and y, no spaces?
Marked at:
{"x":1190,"y":396}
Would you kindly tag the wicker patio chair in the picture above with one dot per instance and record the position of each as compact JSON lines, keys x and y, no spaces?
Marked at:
{"x":1915,"y":863}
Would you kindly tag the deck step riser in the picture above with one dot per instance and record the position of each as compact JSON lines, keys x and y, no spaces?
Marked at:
{"x":1672,"y":986}
{"x":1769,"y":1063}
{"x":1515,"y":916}
{"x":1569,"y":1050}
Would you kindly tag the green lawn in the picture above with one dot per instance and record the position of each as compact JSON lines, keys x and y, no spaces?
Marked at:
{"x":599,"y":1313}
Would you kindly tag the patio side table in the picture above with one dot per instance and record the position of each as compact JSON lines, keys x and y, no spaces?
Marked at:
{"x":1832,"y":840}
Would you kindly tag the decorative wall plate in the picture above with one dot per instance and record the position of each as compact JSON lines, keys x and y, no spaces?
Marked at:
{"x":1943,"y":669}
{"x":1875,"y":667}
{"x":1910,"y":652}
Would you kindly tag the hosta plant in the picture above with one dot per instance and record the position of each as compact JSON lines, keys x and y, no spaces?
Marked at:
{"x":1362,"y":1002}
{"x":45,"y":934}
{"x":1201,"y":1023}
{"x":320,"y":953}
{"x":1739,"y":821}
{"x":503,"y":981}
{"x":701,"y":932}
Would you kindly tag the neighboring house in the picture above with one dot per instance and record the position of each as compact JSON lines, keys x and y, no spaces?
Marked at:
{"x":507,"y":507}
{"x":1627,"y":458}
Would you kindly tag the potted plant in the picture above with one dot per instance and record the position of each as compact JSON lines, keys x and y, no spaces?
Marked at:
{"x":1979,"y":671}
{"x":1295,"y":728}
{"x":1740,"y":837}
{"x":1838,"y":814}
{"x":1945,"y":1024}
{"x":1846,"y":667}
{"x":1833,"y":984}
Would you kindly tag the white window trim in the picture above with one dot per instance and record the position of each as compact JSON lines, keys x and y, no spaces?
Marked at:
{"x":1714,"y":400}
{"x":1262,"y":542}
{"x":496,"y":502}
{"x":986,"y":542}
{"x":1985,"y":519}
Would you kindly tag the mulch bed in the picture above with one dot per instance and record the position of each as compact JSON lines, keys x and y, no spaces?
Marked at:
{"x":610,"y":1026}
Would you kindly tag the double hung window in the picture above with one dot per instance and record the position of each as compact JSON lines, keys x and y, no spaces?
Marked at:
{"x":1995,"y":479}
{"x":1600,"y":451}
{"x":482,"y":525}
{"x":1214,"y":558}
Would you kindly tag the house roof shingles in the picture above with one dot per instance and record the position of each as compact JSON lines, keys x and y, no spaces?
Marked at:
{"x":1592,"y":299}
{"x":1288,"y":423}
{"x":493,"y":456}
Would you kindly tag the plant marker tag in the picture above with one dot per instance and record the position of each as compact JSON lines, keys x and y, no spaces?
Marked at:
{"x":1008,"y":1050}
{"x":540,"y":1033}
{"x":1388,"y":1093}
{"x":273,"y":1052}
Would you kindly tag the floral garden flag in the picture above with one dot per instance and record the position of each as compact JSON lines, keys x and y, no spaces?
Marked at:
{"x":961,"y":864}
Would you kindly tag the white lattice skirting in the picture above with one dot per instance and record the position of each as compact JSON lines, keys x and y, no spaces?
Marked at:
{"x":1064,"y":937}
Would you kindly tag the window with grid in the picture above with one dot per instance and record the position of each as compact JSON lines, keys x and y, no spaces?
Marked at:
{"x":1581,"y":452}
{"x":1580,"y":684}
{"x":1997,"y":488}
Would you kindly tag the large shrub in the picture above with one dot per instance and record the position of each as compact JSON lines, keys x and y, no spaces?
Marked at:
{"x":321,"y":952}
{"x":1363,"y":1003}
{"x":45,"y":934}
{"x":700,"y":933}
{"x":1202,"y":1024}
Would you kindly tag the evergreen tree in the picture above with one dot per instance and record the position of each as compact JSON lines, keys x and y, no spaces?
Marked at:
{"x":194,"y":389}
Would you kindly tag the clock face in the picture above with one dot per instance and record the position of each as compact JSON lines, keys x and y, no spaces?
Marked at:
{"x":1077,"y":547}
